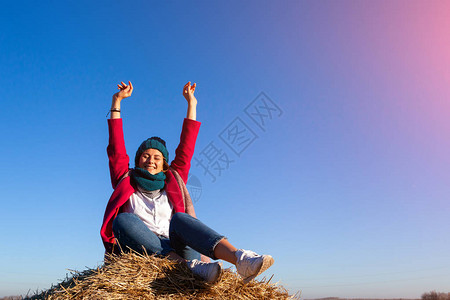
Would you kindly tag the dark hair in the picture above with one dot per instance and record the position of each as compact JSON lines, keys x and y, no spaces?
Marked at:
{"x":165,"y":166}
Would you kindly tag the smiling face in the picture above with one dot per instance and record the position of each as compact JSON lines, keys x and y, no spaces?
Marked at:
{"x":152,"y":160}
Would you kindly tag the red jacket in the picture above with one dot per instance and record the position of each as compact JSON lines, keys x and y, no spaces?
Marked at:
{"x":119,"y":166}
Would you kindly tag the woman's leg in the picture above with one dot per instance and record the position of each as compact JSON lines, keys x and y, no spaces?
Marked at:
{"x":171,"y":254}
{"x":131,"y":232}
{"x":187,"y":230}
{"x":224,"y":250}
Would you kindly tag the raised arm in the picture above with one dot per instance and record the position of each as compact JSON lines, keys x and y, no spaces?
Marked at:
{"x":118,"y":158}
{"x":188,"y":93}
{"x":189,"y":132}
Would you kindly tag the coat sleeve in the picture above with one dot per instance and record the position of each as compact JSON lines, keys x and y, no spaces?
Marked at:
{"x":117,"y":154}
{"x":185,"y":150}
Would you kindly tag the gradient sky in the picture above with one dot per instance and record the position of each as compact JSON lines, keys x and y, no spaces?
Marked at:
{"x":347,"y":184}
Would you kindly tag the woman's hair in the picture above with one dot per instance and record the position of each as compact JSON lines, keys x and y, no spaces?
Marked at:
{"x":165,"y":166}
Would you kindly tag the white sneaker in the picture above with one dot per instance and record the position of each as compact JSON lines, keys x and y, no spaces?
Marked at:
{"x":210,"y":272}
{"x":249,"y":264}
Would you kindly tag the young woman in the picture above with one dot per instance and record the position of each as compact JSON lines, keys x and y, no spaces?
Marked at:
{"x":150,"y":209}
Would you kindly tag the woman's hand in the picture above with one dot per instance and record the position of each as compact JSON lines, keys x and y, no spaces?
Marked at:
{"x":188,"y":93}
{"x":125,"y":90}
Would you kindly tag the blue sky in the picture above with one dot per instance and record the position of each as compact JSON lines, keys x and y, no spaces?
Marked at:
{"x":347,"y":185}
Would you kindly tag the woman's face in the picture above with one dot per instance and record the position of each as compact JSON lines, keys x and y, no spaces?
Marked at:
{"x":152,"y":160}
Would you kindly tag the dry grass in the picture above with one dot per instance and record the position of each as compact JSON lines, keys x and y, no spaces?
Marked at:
{"x":436,"y":296}
{"x":136,"y":276}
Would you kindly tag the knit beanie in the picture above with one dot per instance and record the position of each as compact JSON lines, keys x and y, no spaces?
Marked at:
{"x":152,"y":143}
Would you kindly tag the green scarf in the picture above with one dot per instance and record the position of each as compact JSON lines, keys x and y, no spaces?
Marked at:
{"x":147,"y":181}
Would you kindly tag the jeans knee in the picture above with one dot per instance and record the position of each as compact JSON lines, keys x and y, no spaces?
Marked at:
{"x":177,"y":218}
{"x":120,"y":221}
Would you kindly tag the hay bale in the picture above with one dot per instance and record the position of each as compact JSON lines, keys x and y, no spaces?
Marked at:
{"x":136,"y":276}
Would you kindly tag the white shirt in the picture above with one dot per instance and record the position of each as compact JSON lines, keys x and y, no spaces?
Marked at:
{"x":154,"y":212}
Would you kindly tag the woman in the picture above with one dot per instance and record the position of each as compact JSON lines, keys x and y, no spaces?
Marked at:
{"x":150,"y":209}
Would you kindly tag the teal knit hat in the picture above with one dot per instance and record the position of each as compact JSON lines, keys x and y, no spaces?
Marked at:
{"x":152,"y":143}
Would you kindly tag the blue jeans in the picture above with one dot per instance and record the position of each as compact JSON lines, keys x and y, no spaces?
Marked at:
{"x":188,"y":236}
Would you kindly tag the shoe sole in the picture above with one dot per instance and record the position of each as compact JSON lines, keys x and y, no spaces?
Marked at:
{"x":267,"y":262}
{"x":216,"y":278}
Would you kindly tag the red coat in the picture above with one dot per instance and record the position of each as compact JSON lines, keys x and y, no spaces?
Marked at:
{"x":119,"y":166}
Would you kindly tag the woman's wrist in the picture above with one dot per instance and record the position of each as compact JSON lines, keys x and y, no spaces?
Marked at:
{"x":115,"y":107}
{"x":192,"y":103}
{"x":116,"y":102}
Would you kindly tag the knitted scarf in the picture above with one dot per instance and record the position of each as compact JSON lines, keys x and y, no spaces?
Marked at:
{"x":147,"y":181}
